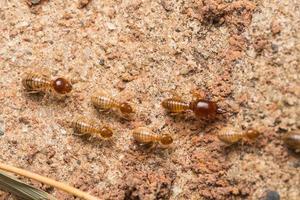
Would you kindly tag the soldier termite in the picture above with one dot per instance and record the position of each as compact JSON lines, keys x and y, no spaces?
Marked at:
{"x":292,"y":140}
{"x":147,"y":137}
{"x":102,"y":101}
{"x":201,"y":107}
{"x":85,"y":126}
{"x":231,"y":135}
{"x":35,"y":83}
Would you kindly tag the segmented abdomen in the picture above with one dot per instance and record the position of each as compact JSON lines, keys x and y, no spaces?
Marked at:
{"x":292,"y":139}
{"x":84,"y":126}
{"x":144,"y":135}
{"x":174,"y":105}
{"x":230,"y":135}
{"x":103,"y":102}
{"x":36,"y":82}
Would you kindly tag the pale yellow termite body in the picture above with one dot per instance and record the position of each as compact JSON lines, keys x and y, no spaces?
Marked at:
{"x":175,"y":105}
{"x":86,"y":126}
{"x":202,"y":108}
{"x":102,"y":101}
{"x":36,"y":82}
{"x":144,"y":135}
{"x":231,"y":135}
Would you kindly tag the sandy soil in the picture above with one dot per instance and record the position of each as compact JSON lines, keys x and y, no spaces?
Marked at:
{"x":245,"y":54}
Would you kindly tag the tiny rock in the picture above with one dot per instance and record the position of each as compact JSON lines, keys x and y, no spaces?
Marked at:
{"x":272,"y":195}
{"x":167,"y":5}
{"x":127,"y":77}
{"x":260,"y":43}
{"x":275,"y":27}
{"x":101,"y":62}
{"x":111,"y":26}
{"x":1,"y":127}
{"x":121,"y":85}
{"x":83,"y":3}
{"x":33,"y":2}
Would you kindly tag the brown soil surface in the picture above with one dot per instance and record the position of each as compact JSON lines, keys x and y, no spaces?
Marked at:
{"x":244,"y":54}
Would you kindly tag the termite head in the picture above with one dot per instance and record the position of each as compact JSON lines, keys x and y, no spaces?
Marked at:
{"x":252,"y":133}
{"x":166,"y":139}
{"x":125,"y":108}
{"x":62,"y":86}
{"x":106,"y":132}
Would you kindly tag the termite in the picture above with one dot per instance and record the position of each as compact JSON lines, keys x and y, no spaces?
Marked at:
{"x":201,"y":107}
{"x":102,"y":101}
{"x":231,"y":135}
{"x":146,"y":136}
{"x":85,"y":126}
{"x":35,"y":82}
{"x":292,"y":140}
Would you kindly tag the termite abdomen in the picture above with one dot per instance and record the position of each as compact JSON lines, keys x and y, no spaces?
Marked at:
{"x":102,"y":101}
{"x":144,"y":135}
{"x":175,"y":105}
{"x":86,"y":126}
{"x":230,"y":135}
{"x":292,"y":140}
{"x":36,"y":82}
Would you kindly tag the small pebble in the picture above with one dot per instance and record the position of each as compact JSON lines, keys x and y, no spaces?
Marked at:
{"x":167,"y":5}
{"x":274,"y":48}
{"x":83,"y":3}
{"x":121,"y":85}
{"x":272,"y":195}
{"x":1,"y":127}
{"x":127,"y":77}
{"x":296,"y":164}
{"x":24,"y":120}
{"x":111,"y":26}
{"x":35,"y":2}
{"x":101,"y":62}
{"x":276,"y":27}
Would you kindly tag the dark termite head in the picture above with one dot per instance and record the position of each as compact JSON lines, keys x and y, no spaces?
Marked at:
{"x":204,"y":108}
{"x":62,"y":86}
{"x":106,"y":132}
{"x":166,"y":139}
{"x":125,"y":108}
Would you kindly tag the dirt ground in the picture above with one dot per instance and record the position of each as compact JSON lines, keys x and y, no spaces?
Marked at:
{"x":245,"y":54}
